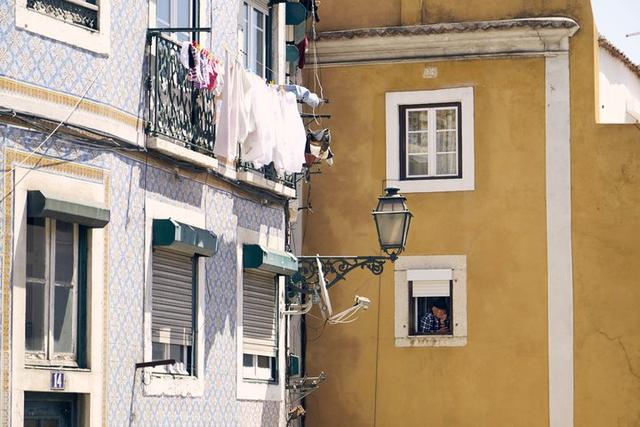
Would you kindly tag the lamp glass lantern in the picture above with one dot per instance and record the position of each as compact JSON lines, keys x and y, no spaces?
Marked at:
{"x":392,"y":218}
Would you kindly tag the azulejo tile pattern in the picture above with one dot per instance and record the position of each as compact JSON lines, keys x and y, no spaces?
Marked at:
{"x":131,"y":182}
{"x":47,"y":63}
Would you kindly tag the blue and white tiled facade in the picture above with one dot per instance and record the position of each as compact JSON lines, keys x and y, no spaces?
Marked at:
{"x":29,"y":58}
{"x":131,"y":182}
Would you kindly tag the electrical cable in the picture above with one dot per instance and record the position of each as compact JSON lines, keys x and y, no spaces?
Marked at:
{"x":35,"y":151}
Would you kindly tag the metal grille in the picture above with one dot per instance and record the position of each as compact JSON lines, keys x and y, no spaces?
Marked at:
{"x":83,"y":13}
{"x":259,"y":313}
{"x":172,"y":298}
{"x":177,"y":109}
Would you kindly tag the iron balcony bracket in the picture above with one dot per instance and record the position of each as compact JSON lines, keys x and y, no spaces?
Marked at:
{"x":336,"y":268}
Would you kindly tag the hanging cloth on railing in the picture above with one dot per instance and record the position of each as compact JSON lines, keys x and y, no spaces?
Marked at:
{"x":204,"y":69}
{"x":232,"y":126}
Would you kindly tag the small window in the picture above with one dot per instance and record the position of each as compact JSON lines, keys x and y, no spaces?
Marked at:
{"x":84,"y":13}
{"x":53,"y":409}
{"x":55,"y":292}
{"x":175,"y":14}
{"x":254,"y":36}
{"x":173,"y":296}
{"x":431,"y":308}
{"x":260,"y":326}
{"x":431,"y":142}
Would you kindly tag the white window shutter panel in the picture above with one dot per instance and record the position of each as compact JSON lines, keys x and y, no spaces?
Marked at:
{"x":172,"y":298}
{"x":431,"y":288}
{"x":259,"y":313}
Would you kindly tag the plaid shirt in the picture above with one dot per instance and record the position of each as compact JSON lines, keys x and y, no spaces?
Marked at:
{"x":430,"y":324}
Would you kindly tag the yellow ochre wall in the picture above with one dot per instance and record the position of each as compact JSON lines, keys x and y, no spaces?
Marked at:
{"x":501,"y":376}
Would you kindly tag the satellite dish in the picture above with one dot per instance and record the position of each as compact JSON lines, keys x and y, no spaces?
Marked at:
{"x":325,"y":307}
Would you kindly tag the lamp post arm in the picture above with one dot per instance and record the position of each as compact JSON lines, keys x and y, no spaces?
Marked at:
{"x":335,"y":268}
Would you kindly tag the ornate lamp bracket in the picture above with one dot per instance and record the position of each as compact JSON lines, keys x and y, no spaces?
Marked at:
{"x":335,"y":268}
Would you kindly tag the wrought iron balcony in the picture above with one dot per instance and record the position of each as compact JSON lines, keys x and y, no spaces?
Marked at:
{"x":78,"y":12}
{"x":177,"y":110}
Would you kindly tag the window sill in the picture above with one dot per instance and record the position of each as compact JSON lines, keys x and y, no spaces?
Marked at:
{"x":432,"y":185}
{"x":48,"y":367}
{"x":160,"y":384}
{"x":94,"y":41}
{"x":431,"y":341}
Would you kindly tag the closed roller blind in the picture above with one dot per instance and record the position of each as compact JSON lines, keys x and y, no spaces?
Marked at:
{"x":259,"y":313}
{"x":431,"y":288}
{"x":172,"y":298}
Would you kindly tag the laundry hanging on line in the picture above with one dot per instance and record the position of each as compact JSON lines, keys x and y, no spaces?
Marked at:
{"x":205,"y":70}
{"x":304,"y":95}
{"x":263,"y":119}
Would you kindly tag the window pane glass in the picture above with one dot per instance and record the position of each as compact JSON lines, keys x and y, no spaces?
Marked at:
{"x":418,"y":143}
{"x":157,"y":351}
{"x":258,"y":42}
{"x":64,"y":252}
{"x":418,"y":165}
{"x":163,"y":13}
{"x":446,"y":119}
{"x":247,"y":359}
{"x":446,"y":164}
{"x":447,"y":141}
{"x":183,"y":18}
{"x":63,"y":320}
{"x":34,"y":318}
{"x":176,"y":352}
{"x":264,"y":362}
{"x":35,"y":247}
{"x":418,"y":120}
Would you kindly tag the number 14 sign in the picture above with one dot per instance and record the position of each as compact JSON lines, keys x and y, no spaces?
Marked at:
{"x":57,"y":380}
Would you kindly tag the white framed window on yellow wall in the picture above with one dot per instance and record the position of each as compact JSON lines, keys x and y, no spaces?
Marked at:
{"x":430,"y":140}
{"x":431,"y":301}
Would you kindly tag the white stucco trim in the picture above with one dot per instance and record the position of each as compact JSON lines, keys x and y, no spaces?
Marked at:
{"x":393,"y":100}
{"x":447,"y":41}
{"x":160,"y":384}
{"x":45,"y":106}
{"x":251,"y":390}
{"x":87,"y":381}
{"x":441,"y":266}
{"x":559,"y":257}
{"x":74,"y":35}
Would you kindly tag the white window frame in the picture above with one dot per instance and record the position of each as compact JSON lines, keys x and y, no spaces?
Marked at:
{"x":406,"y":268}
{"x":394,"y":100}
{"x":250,"y":389}
{"x":161,"y":382}
{"x":256,"y":372}
{"x":173,"y":18}
{"x":246,"y":32}
{"x":94,"y":41}
{"x":25,"y":376}
{"x":48,"y":356}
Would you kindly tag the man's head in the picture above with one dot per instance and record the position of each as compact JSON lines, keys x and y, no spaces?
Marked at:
{"x":439,"y":308}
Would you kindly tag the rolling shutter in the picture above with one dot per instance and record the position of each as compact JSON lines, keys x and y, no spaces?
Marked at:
{"x":172,"y":297}
{"x":259,"y":313}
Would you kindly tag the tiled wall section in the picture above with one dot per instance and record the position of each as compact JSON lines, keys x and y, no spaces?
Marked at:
{"x":37,"y":60}
{"x":126,"y":230}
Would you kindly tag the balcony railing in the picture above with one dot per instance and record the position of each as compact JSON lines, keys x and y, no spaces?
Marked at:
{"x":182,"y":113}
{"x":177,"y":110}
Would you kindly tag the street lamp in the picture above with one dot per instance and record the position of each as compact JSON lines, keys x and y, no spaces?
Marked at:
{"x":392,"y":219}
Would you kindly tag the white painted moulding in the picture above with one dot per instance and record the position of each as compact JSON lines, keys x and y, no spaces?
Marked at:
{"x":512,"y":37}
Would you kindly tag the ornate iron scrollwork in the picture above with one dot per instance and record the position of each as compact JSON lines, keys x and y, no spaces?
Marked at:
{"x":71,"y":12}
{"x":177,"y":109}
{"x":336,"y":268}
